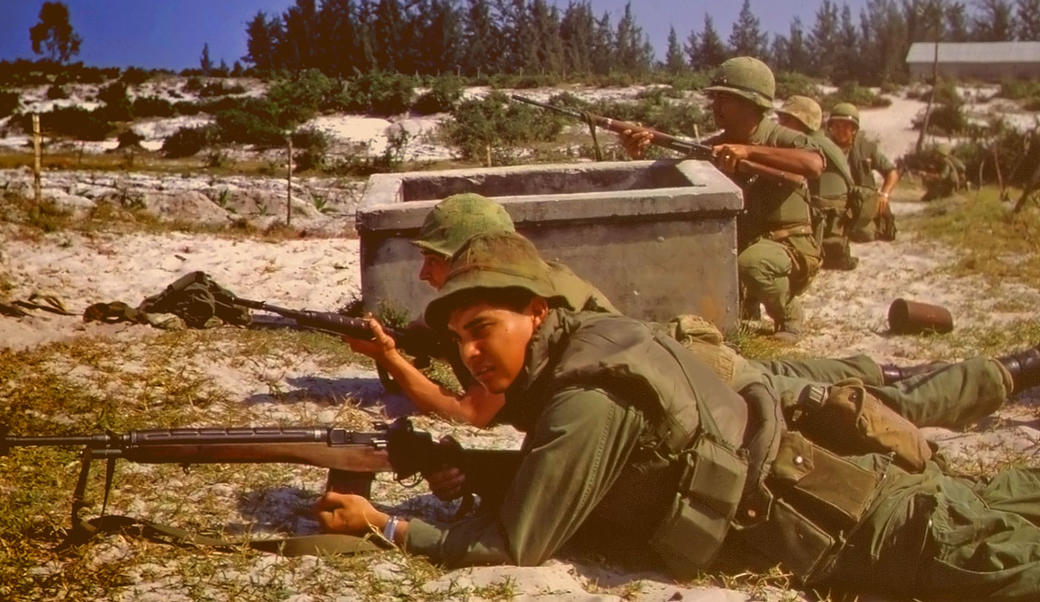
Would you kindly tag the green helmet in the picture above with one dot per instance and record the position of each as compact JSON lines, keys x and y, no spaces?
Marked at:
{"x":497,"y":260}
{"x":746,"y":77}
{"x":846,"y":111}
{"x":805,"y":110}
{"x":943,"y":149}
{"x":452,"y":221}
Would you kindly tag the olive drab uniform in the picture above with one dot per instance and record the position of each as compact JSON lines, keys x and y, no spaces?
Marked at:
{"x":777,"y":252}
{"x":832,"y":216}
{"x":627,"y":433}
{"x":950,"y":177}
{"x":864,"y":159}
{"x":951,"y":396}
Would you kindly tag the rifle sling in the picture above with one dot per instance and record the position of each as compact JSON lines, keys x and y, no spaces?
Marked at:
{"x":303,"y":545}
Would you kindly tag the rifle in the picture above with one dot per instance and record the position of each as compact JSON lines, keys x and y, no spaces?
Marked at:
{"x":420,"y":343}
{"x":687,"y":146}
{"x":352,"y":457}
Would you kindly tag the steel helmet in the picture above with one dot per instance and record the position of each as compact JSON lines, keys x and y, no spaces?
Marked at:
{"x":747,"y":77}
{"x":846,"y":111}
{"x":805,"y":110}
{"x":458,"y":217}
{"x":497,"y":260}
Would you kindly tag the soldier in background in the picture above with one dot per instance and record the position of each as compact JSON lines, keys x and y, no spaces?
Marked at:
{"x":830,"y":193}
{"x":870,"y":204}
{"x":947,"y":178}
{"x":778,"y":256}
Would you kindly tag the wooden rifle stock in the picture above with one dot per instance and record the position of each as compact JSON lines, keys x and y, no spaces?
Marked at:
{"x":686,"y":146}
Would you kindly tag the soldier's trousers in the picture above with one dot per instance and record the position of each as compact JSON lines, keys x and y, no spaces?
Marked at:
{"x":935,"y":536}
{"x":952,"y":396}
{"x":774,"y":273}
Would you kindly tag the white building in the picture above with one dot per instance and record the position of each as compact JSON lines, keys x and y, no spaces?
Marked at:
{"x":987,"y":61}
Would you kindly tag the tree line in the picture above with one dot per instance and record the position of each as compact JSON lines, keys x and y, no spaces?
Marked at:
{"x":480,"y":37}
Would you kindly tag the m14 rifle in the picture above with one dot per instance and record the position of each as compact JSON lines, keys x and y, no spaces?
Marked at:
{"x":352,"y":457}
{"x":419,"y":342}
{"x":687,"y":146}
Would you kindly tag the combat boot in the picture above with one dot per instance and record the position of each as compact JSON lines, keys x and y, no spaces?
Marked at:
{"x":1024,"y":368}
{"x":891,"y":373}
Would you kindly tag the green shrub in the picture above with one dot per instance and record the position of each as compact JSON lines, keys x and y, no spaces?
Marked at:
{"x":944,"y":120}
{"x":857,"y":95}
{"x":494,"y":124}
{"x":257,"y":122}
{"x":444,"y":94}
{"x":790,"y":83}
{"x":1018,"y":89}
{"x":135,"y":76}
{"x":379,"y":93}
{"x":117,"y":102}
{"x":56,"y":92}
{"x":945,"y":93}
{"x":310,"y":147}
{"x":219,"y":88}
{"x":8,"y":102}
{"x":73,"y":122}
{"x":129,"y":138}
{"x":152,"y":106}
{"x":297,"y":100}
{"x":185,"y":107}
{"x":187,"y":141}
{"x":194,"y":84}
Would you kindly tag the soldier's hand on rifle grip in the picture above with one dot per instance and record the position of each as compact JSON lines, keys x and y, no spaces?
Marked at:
{"x":727,"y":156}
{"x":636,"y":142}
{"x":446,"y":483}
{"x":378,"y":347}
{"x":345,"y":513}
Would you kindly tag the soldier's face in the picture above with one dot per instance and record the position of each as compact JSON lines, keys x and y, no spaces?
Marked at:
{"x":434,"y":269}
{"x":842,"y":131}
{"x":789,"y":121}
{"x":493,"y":340}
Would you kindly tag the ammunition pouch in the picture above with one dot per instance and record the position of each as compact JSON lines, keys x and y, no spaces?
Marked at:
{"x":812,"y":500}
{"x":711,"y":482}
{"x":849,"y":420}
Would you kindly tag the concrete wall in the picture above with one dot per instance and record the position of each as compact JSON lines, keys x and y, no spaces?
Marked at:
{"x":657,"y":237}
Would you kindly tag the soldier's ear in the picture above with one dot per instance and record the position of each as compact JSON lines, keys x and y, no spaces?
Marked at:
{"x":538,"y":308}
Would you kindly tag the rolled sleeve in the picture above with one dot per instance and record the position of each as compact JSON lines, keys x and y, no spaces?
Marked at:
{"x":578,"y":448}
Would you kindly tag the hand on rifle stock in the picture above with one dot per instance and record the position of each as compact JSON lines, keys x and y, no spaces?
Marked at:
{"x":379,"y":347}
{"x":346,"y":513}
{"x":636,"y":141}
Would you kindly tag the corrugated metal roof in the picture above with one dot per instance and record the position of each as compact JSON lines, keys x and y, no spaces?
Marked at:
{"x":975,"y":52}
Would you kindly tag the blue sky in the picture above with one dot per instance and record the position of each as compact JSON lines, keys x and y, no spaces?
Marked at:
{"x":170,"y":33}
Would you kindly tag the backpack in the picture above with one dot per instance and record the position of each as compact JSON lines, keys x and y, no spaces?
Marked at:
{"x":197,"y":299}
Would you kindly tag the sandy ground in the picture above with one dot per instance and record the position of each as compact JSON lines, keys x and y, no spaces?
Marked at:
{"x":846,"y":313}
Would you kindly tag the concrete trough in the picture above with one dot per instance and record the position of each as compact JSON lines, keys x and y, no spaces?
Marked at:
{"x":657,"y":237}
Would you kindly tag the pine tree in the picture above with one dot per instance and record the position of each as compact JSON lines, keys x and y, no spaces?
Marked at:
{"x":388,"y":35}
{"x":791,"y":53}
{"x":846,"y":67}
{"x":205,"y":63}
{"x":711,"y":51}
{"x":482,"y":48}
{"x":956,"y":17}
{"x":262,"y":36}
{"x":299,"y":28}
{"x":439,"y":34}
{"x":673,"y":59}
{"x":823,"y":40}
{"x":603,"y":45}
{"x":883,"y":42}
{"x":578,"y":33}
{"x":55,"y":33}
{"x":746,"y":37}
{"x":994,"y":21}
{"x":1027,"y":13}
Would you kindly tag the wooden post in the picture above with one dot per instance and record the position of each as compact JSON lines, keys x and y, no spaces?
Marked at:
{"x":36,"y":157}
{"x":288,"y":188}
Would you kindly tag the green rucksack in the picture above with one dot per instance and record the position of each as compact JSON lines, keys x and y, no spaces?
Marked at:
{"x":197,"y":299}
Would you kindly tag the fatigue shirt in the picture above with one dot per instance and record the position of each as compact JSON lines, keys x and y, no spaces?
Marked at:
{"x":770,"y":205}
{"x":836,"y":180}
{"x":602,"y":401}
{"x":579,"y":295}
{"x":864,"y":159}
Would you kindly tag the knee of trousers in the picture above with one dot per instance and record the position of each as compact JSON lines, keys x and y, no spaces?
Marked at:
{"x":765,"y":267}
